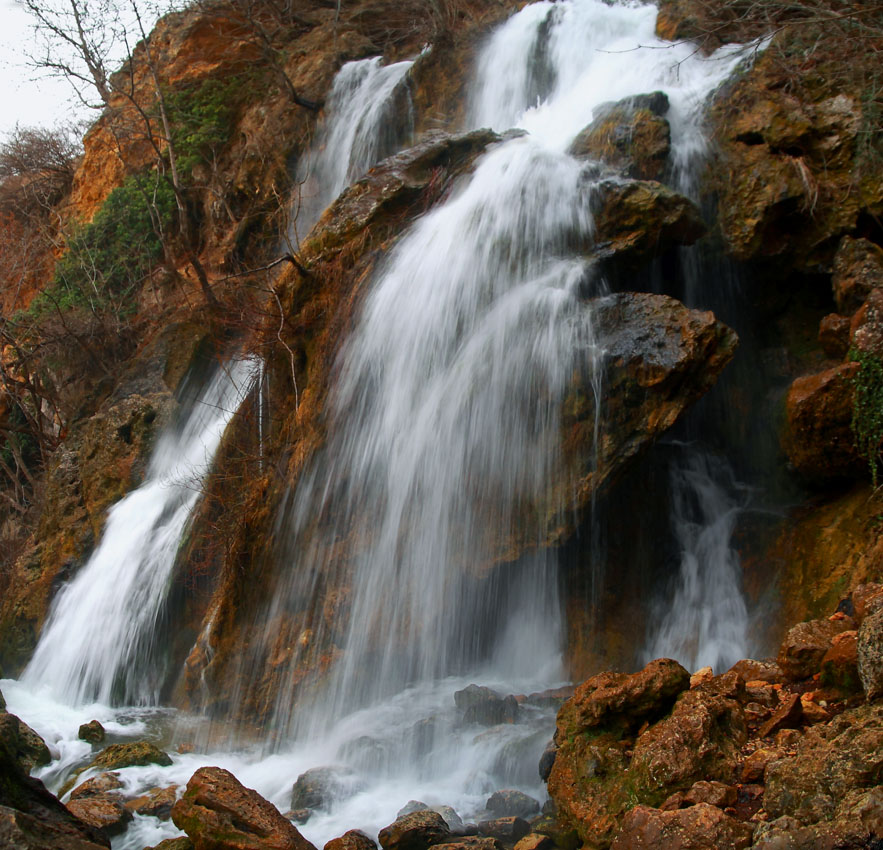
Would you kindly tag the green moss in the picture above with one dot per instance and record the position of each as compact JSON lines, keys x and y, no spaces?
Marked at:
{"x":867,"y":411}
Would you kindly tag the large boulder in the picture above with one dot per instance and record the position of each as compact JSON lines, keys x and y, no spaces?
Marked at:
{"x":104,"y":812}
{"x":319,"y":787}
{"x":806,"y":644}
{"x":869,"y":652}
{"x":858,"y":270}
{"x":218,"y":813}
{"x":485,"y":707}
{"x":29,"y":748}
{"x":415,"y":831}
{"x":699,"y":827}
{"x":632,"y":135}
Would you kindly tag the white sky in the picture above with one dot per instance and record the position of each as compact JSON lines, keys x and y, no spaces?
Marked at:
{"x":24,"y":99}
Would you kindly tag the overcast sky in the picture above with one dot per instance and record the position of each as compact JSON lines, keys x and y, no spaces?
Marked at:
{"x":26,"y":100}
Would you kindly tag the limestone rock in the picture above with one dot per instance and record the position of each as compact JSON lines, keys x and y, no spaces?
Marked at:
{"x":103,"y":784}
{"x":696,"y":828}
{"x":865,"y":599}
{"x":636,"y":220}
{"x":819,"y":439}
{"x":621,"y":698}
{"x":631,"y":135}
{"x":354,"y":839}
{"x":831,"y":761}
{"x":869,"y":650}
{"x":137,"y":753}
{"x":104,"y":812}
{"x":805,"y":645}
{"x":218,"y":813}
{"x":157,"y":802}
{"x":512,"y":803}
{"x":415,"y":831}
{"x":858,"y":270}
{"x":92,"y":732}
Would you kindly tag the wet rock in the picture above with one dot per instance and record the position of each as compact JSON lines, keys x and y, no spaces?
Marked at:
{"x":412,"y":806}
{"x":805,"y":645}
{"x":787,"y":716}
{"x":553,"y":698}
{"x":355,"y":839}
{"x":839,"y":667}
{"x":2,"y":702}
{"x":473,"y":842}
{"x":699,"y":826}
{"x":415,"y":831}
{"x":512,"y":803}
{"x":486,"y":707}
{"x":508,"y":830}
{"x":714,"y":793}
{"x":818,"y":439}
{"x":636,"y":220}
{"x":869,"y":649}
{"x":92,"y":732}
{"x":219,"y":813}
{"x":103,"y":784}
{"x":452,"y":819}
{"x":858,"y":270}
{"x":834,"y":335}
{"x":535,"y":841}
{"x":29,"y":748}
{"x":33,"y":819}
{"x":104,"y":812}
{"x":157,"y":802}
{"x":319,"y":787}
{"x":831,"y":761}
{"x":630,"y":135}
{"x":622,"y":699}
{"x":136,"y":754}
{"x":547,"y":760}
{"x":182,"y":843}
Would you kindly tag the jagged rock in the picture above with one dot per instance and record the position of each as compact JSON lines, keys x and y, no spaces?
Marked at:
{"x":29,"y":748}
{"x":415,"y":831}
{"x":694,"y":828}
{"x":786,"y":716}
{"x":471,"y":842}
{"x":355,"y":839}
{"x":630,"y":135}
{"x":858,"y":270}
{"x":839,"y":667}
{"x":319,"y":787}
{"x":834,"y":335}
{"x":412,"y":806}
{"x":219,"y":813}
{"x":137,"y":753}
{"x":512,"y":803}
{"x":547,"y":760}
{"x":104,"y":812}
{"x":805,"y":645}
{"x":865,"y":599}
{"x":92,"y":732}
{"x":819,"y":440}
{"x":509,"y":830}
{"x":535,"y":841}
{"x":714,"y":793}
{"x":636,"y":220}
{"x":182,"y":843}
{"x":866,"y":327}
{"x":869,"y":649}
{"x":622,"y":698}
{"x":103,"y":784}
{"x":758,"y":671}
{"x":33,"y":819}
{"x":157,"y":802}
{"x":486,"y":707}
{"x":831,"y":761}
{"x":755,"y":764}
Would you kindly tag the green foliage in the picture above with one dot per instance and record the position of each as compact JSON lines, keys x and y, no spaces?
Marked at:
{"x":867,"y":410}
{"x":202,"y":117}
{"x":108,"y":258}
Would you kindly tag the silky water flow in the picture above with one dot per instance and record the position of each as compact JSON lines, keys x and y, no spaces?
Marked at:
{"x":443,"y":428}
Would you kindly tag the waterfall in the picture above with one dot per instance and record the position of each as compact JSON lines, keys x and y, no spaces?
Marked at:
{"x":443,"y":423}
{"x":368,"y":116}
{"x":103,"y":632}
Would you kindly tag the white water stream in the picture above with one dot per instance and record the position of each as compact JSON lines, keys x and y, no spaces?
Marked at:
{"x":367,"y":117}
{"x":443,"y":428}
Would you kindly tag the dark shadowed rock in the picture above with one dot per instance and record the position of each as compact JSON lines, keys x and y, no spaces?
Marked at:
{"x":319,"y":787}
{"x":700,"y":827}
{"x":547,"y":759}
{"x":834,"y":335}
{"x":865,"y":599}
{"x":355,"y":839}
{"x":787,"y":716}
{"x":509,"y":830}
{"x":29,"y":748}
{"x":839,"y":667}
{"x":858,"y":270}
{"x":486,"y":707}
{"x":512,"y":803}
{"x":218,"y":813}
{"x":415,"y":831}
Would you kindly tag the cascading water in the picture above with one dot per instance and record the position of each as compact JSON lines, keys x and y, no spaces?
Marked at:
{"x":443,"y":432}
{"x":101,"y":633}
{"x":368,"y":116}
